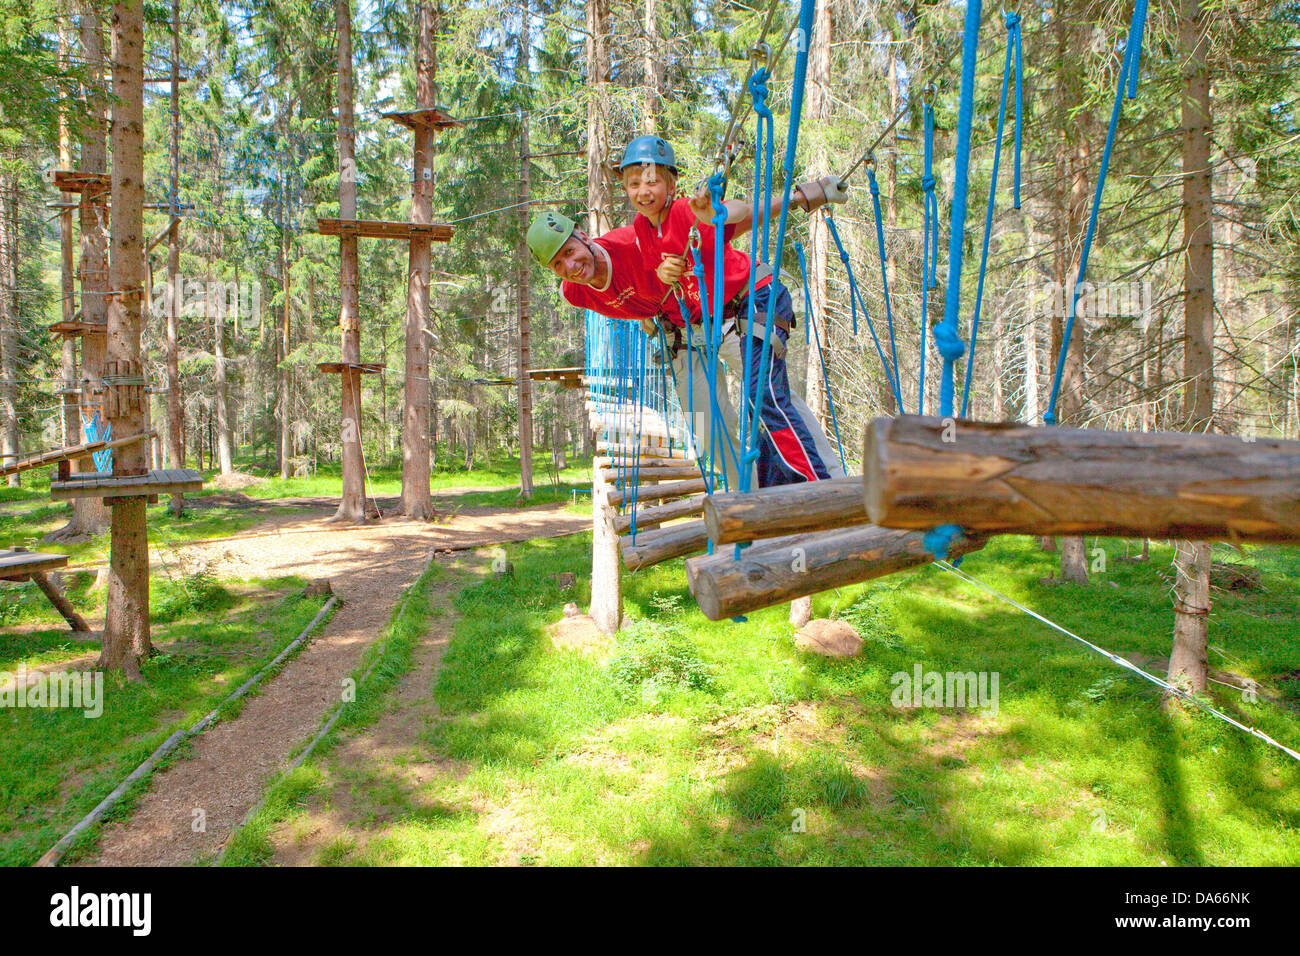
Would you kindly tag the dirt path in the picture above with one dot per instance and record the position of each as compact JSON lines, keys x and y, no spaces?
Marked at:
{"x":190,"y":809}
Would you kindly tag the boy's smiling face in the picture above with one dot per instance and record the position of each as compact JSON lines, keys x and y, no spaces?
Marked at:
{"x":649,"y":188}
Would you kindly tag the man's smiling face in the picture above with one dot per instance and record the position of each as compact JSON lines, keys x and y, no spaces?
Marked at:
{"x":574,"y":262}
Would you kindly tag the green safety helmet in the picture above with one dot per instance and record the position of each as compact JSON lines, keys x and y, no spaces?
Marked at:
{"x":549,"y":231}
{"x":648,"y":149}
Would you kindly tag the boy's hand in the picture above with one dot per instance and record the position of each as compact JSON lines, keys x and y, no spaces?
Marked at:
{"x":702,"y":204}
{"x":671,"y":268}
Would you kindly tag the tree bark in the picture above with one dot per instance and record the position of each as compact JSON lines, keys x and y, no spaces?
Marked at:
{"x":523,"y":265}
{"x":126,"y":628}
{"x":352,"y":501}
{"x":1187,"y":660}
{"x":8,"y":329}
{"x":175,"y":432}
{"x":600,"y":205}
{"x":654,"y":70}
{"x":416,"y":501}
{"x":817,"y":311}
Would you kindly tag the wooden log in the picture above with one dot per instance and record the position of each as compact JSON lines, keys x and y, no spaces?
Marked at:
{"x":1011,"y":478}
{"x":644,"y":493}
{"x":658,"y":514}
{"x":606,"y":571}
{"x":785,"y":509}
{"x":663,"y":544}
{"x":60,"y":455}
{"x":645,"y":450}
{"x":75,"y":621}
{"x":665,"y":472}
{"x":793,"y":567}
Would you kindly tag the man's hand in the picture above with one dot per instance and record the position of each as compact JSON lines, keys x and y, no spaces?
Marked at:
{"x":702,"y":204}
{"x":649,"y":327}
{"x":671,"y":268}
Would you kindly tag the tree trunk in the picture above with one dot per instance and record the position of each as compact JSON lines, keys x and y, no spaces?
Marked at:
{"x":126,"y":628}
{"x":600,"y":205}
{"x":416,"y":502}
{"x":352,"y":501}
{"x":1187,"y":660}
{"x":222,"y":400}
{"x":8,"y":329}
{"x":523,"y":264}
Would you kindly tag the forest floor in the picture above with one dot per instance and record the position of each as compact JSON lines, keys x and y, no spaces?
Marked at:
{"x":368,"y":567}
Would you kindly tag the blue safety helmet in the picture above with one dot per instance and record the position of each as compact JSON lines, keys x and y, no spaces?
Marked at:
{"x":648,"y":149}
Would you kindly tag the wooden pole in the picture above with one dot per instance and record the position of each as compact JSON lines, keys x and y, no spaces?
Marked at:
{"x":126,"y":625}
{"x":75,"y":620}
{"x":352,"y":501}
{"x":1012,"y":479}
{"x":606,"y":568}
{"x":792,"y":567}
{"x":784,"y":509}
{"x":416,"y":500}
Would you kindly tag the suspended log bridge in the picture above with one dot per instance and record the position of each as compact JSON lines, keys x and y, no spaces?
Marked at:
{"x":657,"y":514}
{"x":784,"y":510}
{"x":919,"y":472}
{"x":783,"y":569}
{"x":660,"y":492}
{"x":658,"y":473}
{"x":663,"y":544}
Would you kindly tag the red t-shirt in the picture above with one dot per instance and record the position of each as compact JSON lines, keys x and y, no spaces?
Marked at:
{"x":631,"y":291}
{"x":672,"y":236}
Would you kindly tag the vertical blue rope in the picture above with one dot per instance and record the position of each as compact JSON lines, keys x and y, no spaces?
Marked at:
{"x":806,"y":10}
{"x":929,"y":241}
{"x":811,"y":320}
{"x":1127,"y":78}
{"x":988,"y":213}
{"x":946,"y":336}
{"x":884,"y":285}
{"x":1013,"y":40}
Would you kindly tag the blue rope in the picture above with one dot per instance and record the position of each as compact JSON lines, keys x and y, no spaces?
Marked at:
{"x":946,"y":336}
{"x":988,"y":212}
{"x":892,"y":371}
{"x":1013,"y":40}
{"x":1127,"y":78}
{"x":855,"y":298}
{"x":811,"y":320}
{"x":929,"y":246}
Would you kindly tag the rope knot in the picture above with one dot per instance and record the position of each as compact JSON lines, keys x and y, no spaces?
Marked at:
{"x":928,"y":182}
{"x":938,"y":540}
{"x":758,"y":90}
{"x":1013,"y":21}
{"x":948,"y":342}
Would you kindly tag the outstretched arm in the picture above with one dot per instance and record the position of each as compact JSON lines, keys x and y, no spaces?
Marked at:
{"x":807,"y":196}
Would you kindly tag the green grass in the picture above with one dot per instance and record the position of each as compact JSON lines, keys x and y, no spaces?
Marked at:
{"x":716,"y":743}
{"x":57,"y":764}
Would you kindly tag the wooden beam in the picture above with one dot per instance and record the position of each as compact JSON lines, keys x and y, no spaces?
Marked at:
{"x":784,"y":509}
{"x":671,"y":489}
{"x":663,"y":544}
{"x":783,"y":569}
{"x":658,"y":514}
{"x":18,"y":565}
{"x":1010,"y":478}
{"x":61,"y":604}
{"x":384,"y":229}
{"x":423,"y":118}
{"x":662,"y":472}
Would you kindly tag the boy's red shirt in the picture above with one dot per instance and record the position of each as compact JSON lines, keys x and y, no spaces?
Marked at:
{"x":672,"y":237}
{"x":631,"y":291}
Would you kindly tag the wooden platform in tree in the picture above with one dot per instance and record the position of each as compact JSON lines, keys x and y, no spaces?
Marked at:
{"x":423,"y":118}
{"x":72,"y":181}
{"x":79,"y":327}
{"x":58,"y":455}
{"x":363,"y":368}
{"x":20,"y":565}
{"x":98,"y":484}
{"x":384,"y":229}
{"x":567,"y":377}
